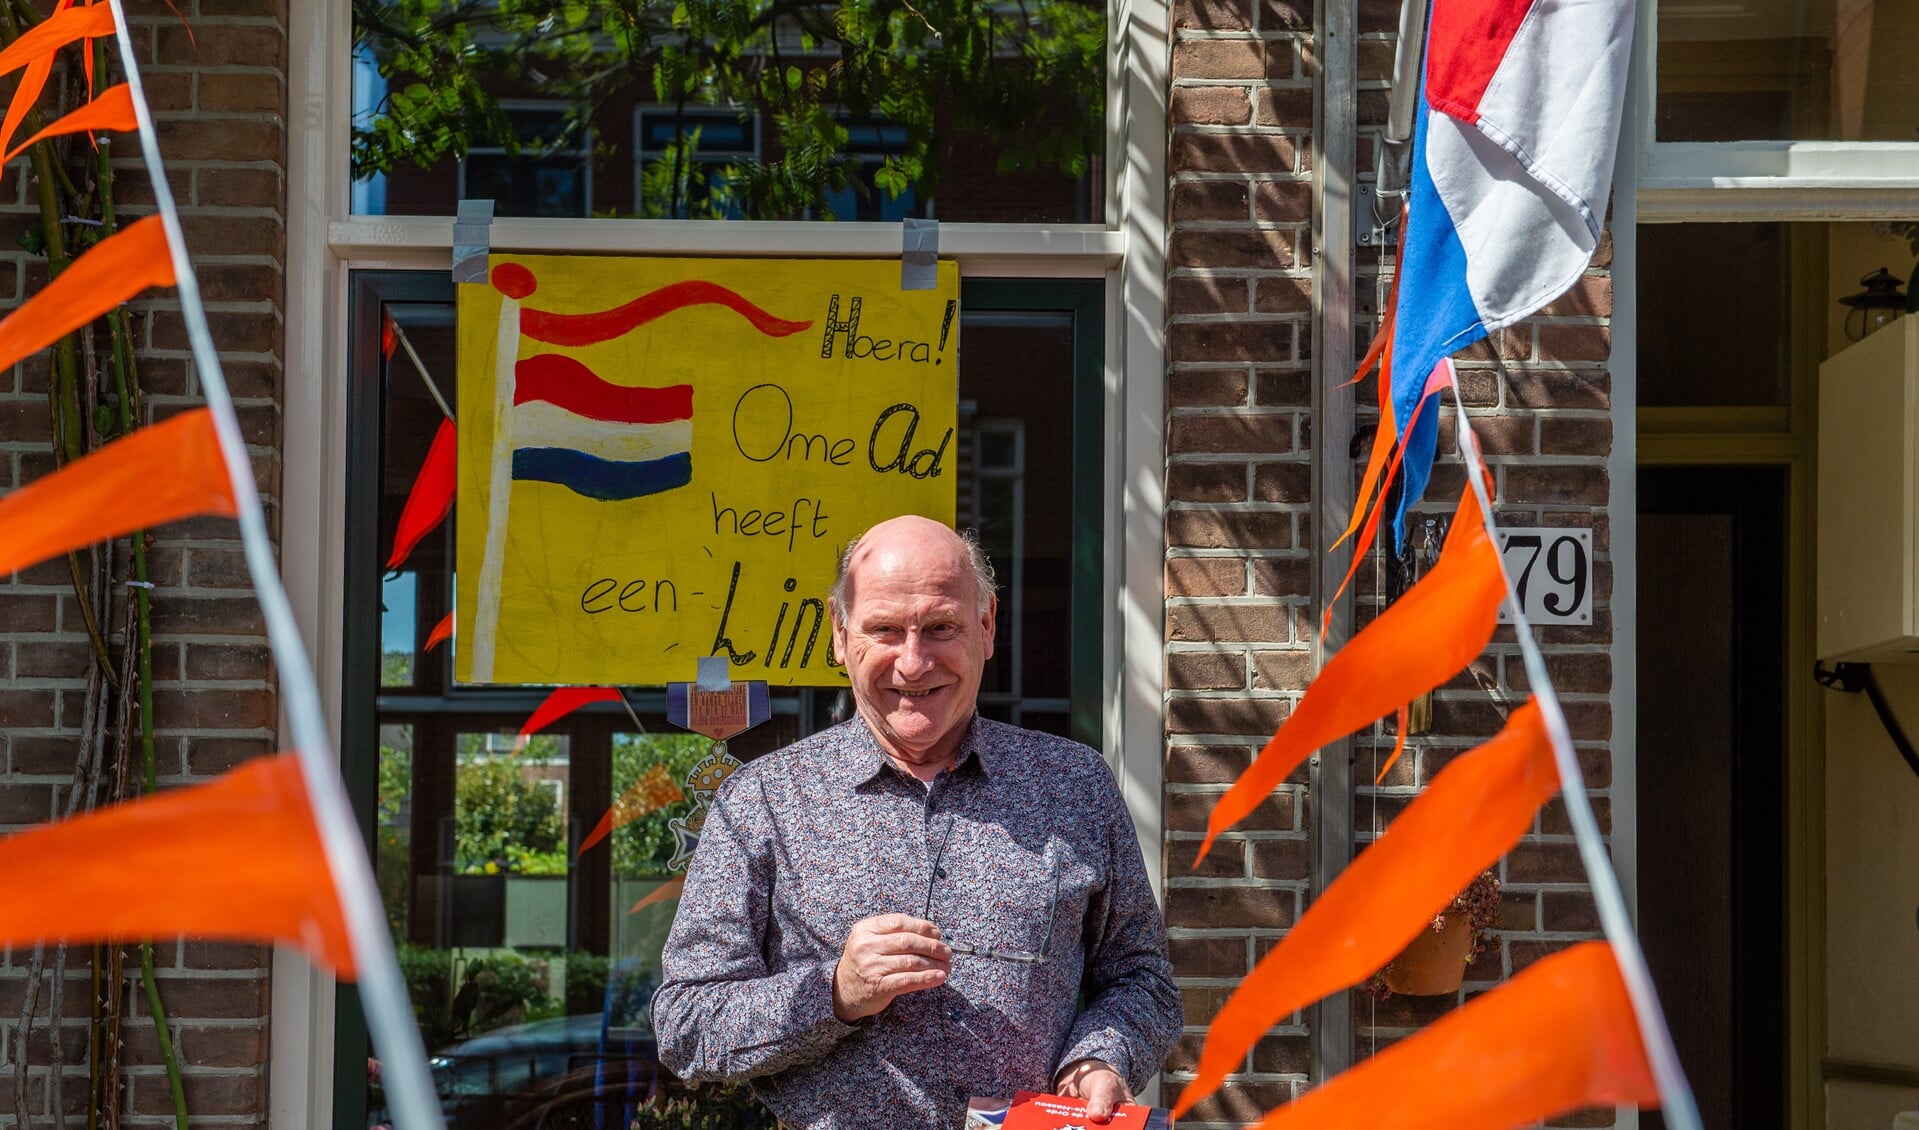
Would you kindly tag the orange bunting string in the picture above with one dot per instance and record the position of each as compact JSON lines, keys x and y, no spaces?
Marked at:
{"x":58,"y":30}
{"x":667,"y":890}
{"x":442,"y":632}
{"x":156,"y":475}
{"x":562,"y":702}
{"x":24,"y":97}
{"x":1424,"y":638}
{"x":118,"y":268}
{"x":113,"y":110}
{"x":1401,"y":720}
{"x":237,"y":859}
{"x":653,"y":791}
{"x":1556,"y":1038}
{"x":1474,"y":811}
{"x":431,"y":497}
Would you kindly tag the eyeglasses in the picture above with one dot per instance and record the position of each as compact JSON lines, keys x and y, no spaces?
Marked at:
{"x":976,"y":949}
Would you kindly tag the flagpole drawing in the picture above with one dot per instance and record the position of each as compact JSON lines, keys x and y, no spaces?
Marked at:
{"x":499,"y":499}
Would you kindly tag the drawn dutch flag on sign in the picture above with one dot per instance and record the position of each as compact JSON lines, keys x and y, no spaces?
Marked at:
{"x":557,"y":421}
{"x":596,"y":439}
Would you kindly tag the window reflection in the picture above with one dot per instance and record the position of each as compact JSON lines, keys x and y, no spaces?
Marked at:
{"x":1831,"y":70}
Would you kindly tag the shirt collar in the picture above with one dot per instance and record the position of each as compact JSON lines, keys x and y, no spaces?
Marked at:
{"x":864,"y":760}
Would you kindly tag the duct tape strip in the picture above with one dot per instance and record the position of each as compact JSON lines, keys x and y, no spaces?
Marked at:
{"x":713,"y":674}
{"x":472,"y":240}
{"x":919,"y":254}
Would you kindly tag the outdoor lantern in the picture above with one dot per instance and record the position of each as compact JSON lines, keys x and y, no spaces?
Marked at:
{"x":1874,"y":306}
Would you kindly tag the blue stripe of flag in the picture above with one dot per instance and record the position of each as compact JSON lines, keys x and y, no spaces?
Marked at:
{"x":605,"y":479}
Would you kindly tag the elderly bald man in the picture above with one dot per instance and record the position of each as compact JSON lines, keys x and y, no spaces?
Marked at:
{"x":918,"y":905}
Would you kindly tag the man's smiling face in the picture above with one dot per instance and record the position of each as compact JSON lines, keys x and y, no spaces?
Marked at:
{"x":914,"y":638}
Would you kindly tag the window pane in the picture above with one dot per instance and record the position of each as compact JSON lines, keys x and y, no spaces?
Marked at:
{"x":1703,"y":342}
{"x":1836,"y":70}
{"x":968,"y":110}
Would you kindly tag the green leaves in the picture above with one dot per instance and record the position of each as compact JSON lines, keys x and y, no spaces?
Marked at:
{"x":1023,"y":82}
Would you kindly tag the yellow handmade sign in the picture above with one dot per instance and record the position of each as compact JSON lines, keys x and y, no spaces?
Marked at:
{"x":661,"y":459}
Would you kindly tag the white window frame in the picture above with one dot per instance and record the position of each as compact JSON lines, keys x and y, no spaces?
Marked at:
{"x":1685,"y":181}
{"x":325,"y":243}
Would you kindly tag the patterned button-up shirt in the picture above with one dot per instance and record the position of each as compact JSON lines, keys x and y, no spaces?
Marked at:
{"x":1024,"y":844}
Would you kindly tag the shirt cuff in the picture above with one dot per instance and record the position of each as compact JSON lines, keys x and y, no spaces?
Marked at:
{"x":1109,"y":1049}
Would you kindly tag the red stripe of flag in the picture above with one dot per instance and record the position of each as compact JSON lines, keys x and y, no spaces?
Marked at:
{"x":1464,"y":48}
{"x":565,"y":382}
{"x":605,"y":325}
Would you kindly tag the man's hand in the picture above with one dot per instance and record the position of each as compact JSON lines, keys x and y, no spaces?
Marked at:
{"x":1097,"y":1083}
{"x":884,"y":957}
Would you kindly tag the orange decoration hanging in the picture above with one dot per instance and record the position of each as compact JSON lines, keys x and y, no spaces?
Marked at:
{"x":91,"y":22}
{"x":157,"y":475}
{"x":238,"y":859}
{"x":431,"y":497}
{"x":562,"y":702}
{"x":118,"y":268}
{"x":1556,"y":1038}
{"x":1474,"y":811}
{"x":442,"y":632}
{"x":668,"y":890}
{"x":113,"y":110}
{"x":1423,"y":639}
{"x":653,"y":791}
{"x":24,"y":97}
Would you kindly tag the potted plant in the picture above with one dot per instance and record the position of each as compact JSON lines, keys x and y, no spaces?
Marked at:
{"x":1434,"y":963}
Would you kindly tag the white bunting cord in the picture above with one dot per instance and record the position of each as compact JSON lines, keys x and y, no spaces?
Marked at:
{"x":414,"y":1104}
{"x":1681,"y":1112}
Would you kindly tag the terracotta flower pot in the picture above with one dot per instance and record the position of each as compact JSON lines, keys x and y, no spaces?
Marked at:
{"x":1434,"y":963}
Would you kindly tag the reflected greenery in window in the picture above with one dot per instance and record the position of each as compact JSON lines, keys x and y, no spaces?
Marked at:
{"x":957,"y":88}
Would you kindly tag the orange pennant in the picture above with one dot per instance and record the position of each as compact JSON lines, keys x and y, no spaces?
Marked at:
{"x":238,"y":858}
{"x":668,"y":890}
{"x":1426,"y":637}
{"x":1558,"y":1037}
{"x":113,"y":110}
{"x":442,"y":632}
{"x":24,"y":96}
{"x":653,"y":791}
{"x":562,"y":702}
{"x":118,"y":268}
{"x":1474,"y":811}
{"x":156,"y":475}
{"x":58,"y":30}
{"x":431,"y":496}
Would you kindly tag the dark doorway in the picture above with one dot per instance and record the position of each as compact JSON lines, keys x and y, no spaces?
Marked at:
{"x":1711,"y":781}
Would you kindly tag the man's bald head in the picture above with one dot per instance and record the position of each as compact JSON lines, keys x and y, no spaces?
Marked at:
{"x":921,"y":539}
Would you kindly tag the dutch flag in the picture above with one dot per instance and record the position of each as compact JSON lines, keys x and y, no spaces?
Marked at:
{"x":572,"y":428}
{"x":1512,"y":161}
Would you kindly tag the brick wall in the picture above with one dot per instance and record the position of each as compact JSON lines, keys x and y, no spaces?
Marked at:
{"x":1239,"y":622}
{"x":219,"y":91}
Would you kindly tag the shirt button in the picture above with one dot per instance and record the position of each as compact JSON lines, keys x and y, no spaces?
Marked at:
{"x":939,"y":872}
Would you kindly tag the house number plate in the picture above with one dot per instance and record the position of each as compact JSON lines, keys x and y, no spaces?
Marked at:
{"x":1551,"y":568}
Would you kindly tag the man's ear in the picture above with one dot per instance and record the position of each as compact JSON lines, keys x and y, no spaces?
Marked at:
{"x":989,"y":621}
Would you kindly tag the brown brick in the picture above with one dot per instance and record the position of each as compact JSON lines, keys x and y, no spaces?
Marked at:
{"x":1205,"y":576}
{"x":1210,"y":106}
{"x":1210,"y":200}
{"x":1286,"y":106}
{"x":235,"y":235}
{"x":240,"y":188}
{"x":1375,"y":60}
{"x":1282,"y":670}
{"x":1205,"y":764}
{"x":227,"y":662}
{"x":1285,"y":15}
{"x":1241,"y":1103}
{"x":1218,"y":908}
{"x":1561,"y":436}
{"x":1195,"y":152}
{"x":1498,"y":435}
{"x":1283,"y":388}
{"x":1558,"y":388}
{"x":1579,"y":672}
{"x":1264,"y":622}
{"x":1586,"y":1119}
{"x":213,"y":709}
{"x":1189,"y":812}
{"x":209,"y":756}
{"x":1559,"y":342}
{"x":1206,"y":294}
{"x":25,"y":421}
{"x":1206,"y":388}
{"x":208,"y":615}
{"x":1212,"y":15}
{"x":1269,"y":433}
{"x":1282,"y":482}
{"x":1256,"y":717}
{"x":243,"y":94}
{"x":233,"y":140}
{"x":1208,"y":529}
{"x":1545,"y":863}
{"x":1231,"y":248}
{"x":1591,"y":296}
{"x":1569,"y":912}
{"x":221,"y":45}
{"x":1554,"y":820}
{"x":24,"y":709}
{"x":207,"y":1095}
{"x":1205,"y":671}
{"x":1563,"y":484}
{"x":1282,"y":859}
{"x":1209,"y":957}
{"x":28,"y":804}
{"x":1524,"y":952}
{"x":1281,"y":576}
{"x":1219,"y":59}
{"x":51,"y":660}
{"x":1283,"y":296}
{"x":1236,"y":340}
